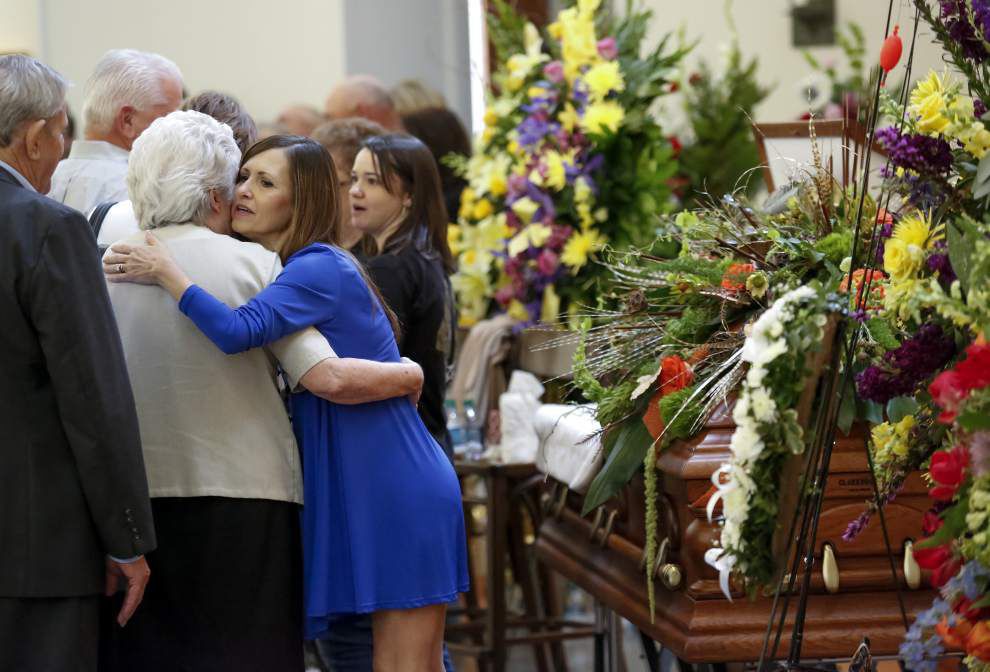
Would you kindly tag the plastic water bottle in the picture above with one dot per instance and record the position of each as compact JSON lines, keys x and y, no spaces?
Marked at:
{"x":455,"y":425}
{"x":473,"y":444}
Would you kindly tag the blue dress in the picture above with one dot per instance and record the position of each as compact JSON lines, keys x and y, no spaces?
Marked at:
{"x":382,"y":524}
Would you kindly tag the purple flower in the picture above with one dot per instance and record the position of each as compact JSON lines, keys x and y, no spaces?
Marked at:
{"x":939,"y":263}
{"x":979,"y":108}
{"x":904,"y":368}
{"x":554,"y":71}
{"x":607,"y":48}
{"x":534,"y":128}
{"x":916,"y":152}
{"x":547,"y":262}
{"x":955,"y":16}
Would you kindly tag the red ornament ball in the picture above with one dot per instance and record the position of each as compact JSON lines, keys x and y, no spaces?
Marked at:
{"x":890,"y":52}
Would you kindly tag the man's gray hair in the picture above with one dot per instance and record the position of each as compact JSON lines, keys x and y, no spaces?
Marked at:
{"x":29,"y":90}
{"x":174,"y":166}
{"x":125,"y":77}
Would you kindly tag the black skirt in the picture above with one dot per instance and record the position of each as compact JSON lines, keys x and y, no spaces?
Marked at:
{"x":225,"y":591}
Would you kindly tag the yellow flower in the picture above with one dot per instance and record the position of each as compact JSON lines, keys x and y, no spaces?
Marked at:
{"x":902,"y":261}
{"x":536,"y":92}
{"x":497,"y":185}
{"x":535,"y":235}
{"x":487,"y":134}
{"x":491,"y":118}
{"x":524,"y":208}
{"x":582,"y":191}
{"x":568,"y":118}
{"x":602,"y":117}
{"x":535,"y":177}
{"x":514,"y":147}
{"x":578,"y":43}
{"x":928,"y":105}
{"x":555,"y":30}
{"x":556,"y":175}
{"x":482,"y":209}
{"x":454,"y":238}
{"x":916,"y":229}
{"x":550,"y":309}
{"x":580,"y":246}
{"x":603,"y":78}
{"x":491,"y":232}
{"x":517,"y":311}
{"x":473,"y":291}
{"x":467,"y":203}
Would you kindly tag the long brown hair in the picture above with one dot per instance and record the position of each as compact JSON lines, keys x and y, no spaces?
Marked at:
{"x":315,"y":212}
{"x":406,"y":159}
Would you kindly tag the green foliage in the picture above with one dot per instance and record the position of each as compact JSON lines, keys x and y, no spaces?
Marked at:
{"x":505,"y":29}
{"x":679,"y":414}
{"x":719,"y":110}
{"x":836,"y":246}
{"x":628,"y":450}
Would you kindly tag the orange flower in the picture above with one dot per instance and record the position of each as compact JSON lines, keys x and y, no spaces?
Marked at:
{"x":953,"y":637}
{"x":675,"y":374}
{"x":734,"y":278}
{"x":860,"y":279}
{"x":977,"y":641}
{"x":698,"y":354}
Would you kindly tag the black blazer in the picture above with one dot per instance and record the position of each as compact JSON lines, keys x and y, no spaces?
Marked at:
{"x":72,"y":482}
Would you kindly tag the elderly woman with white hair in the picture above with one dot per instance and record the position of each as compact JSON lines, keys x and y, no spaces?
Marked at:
{"x":222,"y":461}
{"x":126,"y":92}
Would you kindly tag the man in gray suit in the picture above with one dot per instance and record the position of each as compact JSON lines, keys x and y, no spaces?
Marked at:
{"x":75,"y":517}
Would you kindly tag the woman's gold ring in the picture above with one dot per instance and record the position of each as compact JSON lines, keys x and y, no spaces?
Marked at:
{"x":120,"y":268}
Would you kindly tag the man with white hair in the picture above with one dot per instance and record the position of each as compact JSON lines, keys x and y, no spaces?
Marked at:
{"x":127,"y":91}
{"x":222,"y":461}
{"x":73,"y":490}
{"x":363,"y":96}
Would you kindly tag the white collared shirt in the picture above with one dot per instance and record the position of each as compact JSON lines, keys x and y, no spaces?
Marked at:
{"x":17,"y":176}
{"x":211,"y":424}
{"x":94,"y":172}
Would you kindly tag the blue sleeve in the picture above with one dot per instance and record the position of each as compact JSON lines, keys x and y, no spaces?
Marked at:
{"x":303,"y":295}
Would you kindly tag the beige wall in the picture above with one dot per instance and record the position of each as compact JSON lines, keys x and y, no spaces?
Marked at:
{"x":267,"y":53}
{"x":20,"y":25}
{"x":764,"y":28}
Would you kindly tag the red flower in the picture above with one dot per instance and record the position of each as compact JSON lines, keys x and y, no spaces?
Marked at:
{"x":964,"y":607}
{"x":974,"y":371}
{"x":675,"y":375}
{"x":676,"y":145}
{"x":941,"y":575}
{"x":734,"y":278}
{"x":930,"y":523}
{"x":948,"y":470}
{"x":932,"y":558}
{"x":951,"y":388}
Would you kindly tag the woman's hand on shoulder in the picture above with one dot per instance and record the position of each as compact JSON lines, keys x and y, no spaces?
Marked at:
{"x":149,"y":264}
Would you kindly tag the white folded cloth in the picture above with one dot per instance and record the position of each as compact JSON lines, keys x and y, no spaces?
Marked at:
{"x":517,"y":409}
{"x":570,"y":444}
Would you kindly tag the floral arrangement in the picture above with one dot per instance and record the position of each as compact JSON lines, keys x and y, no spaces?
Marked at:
{"x":569,"y":161}
{"x":957,"y":546}
{"x":670,"y":343}
{"x":767,"y":434}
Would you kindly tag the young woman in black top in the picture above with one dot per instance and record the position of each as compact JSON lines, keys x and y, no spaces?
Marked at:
{"x":396,"y":199}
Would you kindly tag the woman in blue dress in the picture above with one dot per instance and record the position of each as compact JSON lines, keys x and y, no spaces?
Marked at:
{"x":383,"y":528}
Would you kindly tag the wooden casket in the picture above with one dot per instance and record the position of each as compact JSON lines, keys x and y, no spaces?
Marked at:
{"x":603,"y":554}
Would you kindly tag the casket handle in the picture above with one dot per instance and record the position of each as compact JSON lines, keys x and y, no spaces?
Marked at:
{"x":599,"y":517}
{"x":558,"y":507}
{"x":547,"y":499}
{"x":830,"y":569}
{"x":912,"y":572}
{"x":609,"y":523}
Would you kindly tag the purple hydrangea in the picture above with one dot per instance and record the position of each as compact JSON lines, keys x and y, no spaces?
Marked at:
{"x":920,"y":153}
{"x":905,"y":367}
{"x":939,"y":263}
